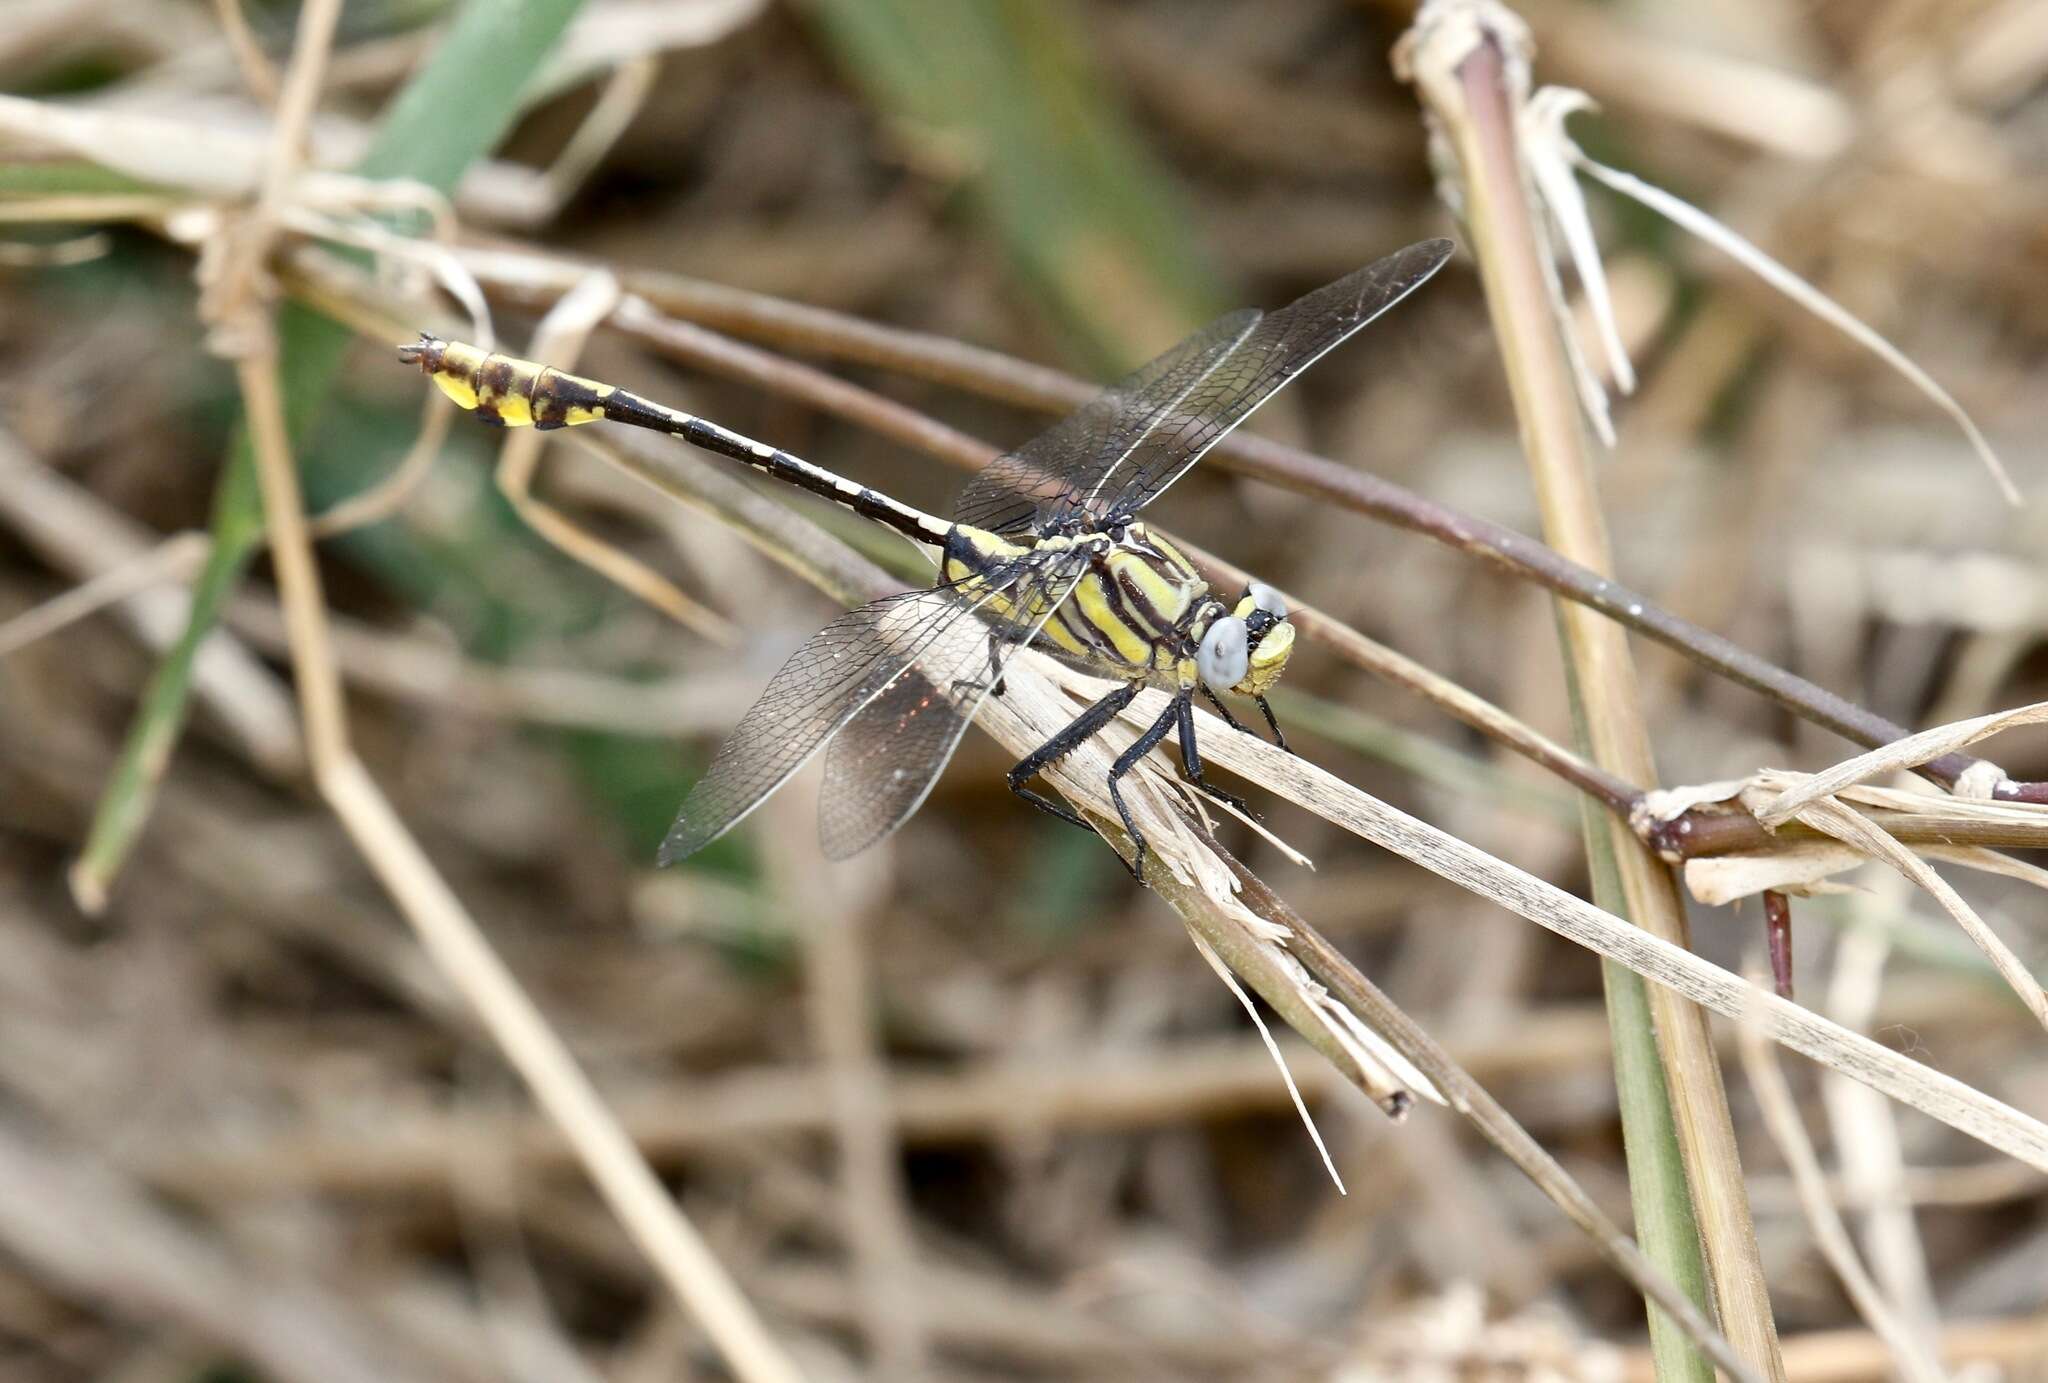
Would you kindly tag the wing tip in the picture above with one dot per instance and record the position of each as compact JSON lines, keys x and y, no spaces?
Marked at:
{"x":678,"y":845}
{"x":1433,"y":253}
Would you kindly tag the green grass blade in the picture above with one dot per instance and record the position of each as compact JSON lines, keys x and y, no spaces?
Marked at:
{"x":68,"y":178}
{"x":1004,"y":89}
{"x":131,"y":788}
{"x":1659,"y":1191}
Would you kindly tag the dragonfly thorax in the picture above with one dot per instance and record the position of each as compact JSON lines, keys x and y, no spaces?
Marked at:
{"x":1123,"y":604}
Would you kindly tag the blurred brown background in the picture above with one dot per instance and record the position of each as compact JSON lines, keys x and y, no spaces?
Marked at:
{"x":971,"y":1106}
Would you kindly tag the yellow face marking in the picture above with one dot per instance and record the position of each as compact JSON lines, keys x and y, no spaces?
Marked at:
{"x":1269,"y":659}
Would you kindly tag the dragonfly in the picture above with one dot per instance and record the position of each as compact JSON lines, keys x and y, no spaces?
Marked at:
{"x":1044,"y":550}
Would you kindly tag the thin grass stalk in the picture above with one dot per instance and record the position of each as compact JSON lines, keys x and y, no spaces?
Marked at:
{"x":1461,"y":67}
{"x":241,"y":319}
{"x":444,"y":119}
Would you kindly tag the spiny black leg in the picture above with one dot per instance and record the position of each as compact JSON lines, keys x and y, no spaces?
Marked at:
{"x":1223,"y":710}
{"x":1128,"y":760}
{"x":1191,"y":757}
{"x":1083,"y":728}
{"x":1278,"y":738}
{"x":1234,"y":723}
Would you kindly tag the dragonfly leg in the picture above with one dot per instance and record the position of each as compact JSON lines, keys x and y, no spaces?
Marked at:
{"x":994,"y":686}
{"x":995,"y":662}
{"x":1191,"y":757}
{"x":1083,"y":728}
{"x":1228,"y":719}
{"x":1128,"y":760}
{"x":1278,"y":738}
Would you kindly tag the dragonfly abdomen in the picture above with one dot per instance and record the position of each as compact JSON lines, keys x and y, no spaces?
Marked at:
{"x":524,"y":393}
{"x":504,"y":390}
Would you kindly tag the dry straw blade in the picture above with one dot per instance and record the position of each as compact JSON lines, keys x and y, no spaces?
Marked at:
{"x":1552,"y":157}
{"x":1909,"y":753}
{"x":1833,"y":1046}
{"x":1832,"y":817}
{"x":1840,"y":805}
{"x":1781,"y":1117}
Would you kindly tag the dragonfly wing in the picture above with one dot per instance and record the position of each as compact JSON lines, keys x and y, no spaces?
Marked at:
{"x":1052,"y":474}
{"x":1121,"y":450}
{"x":1278,"y":347}
{"x":825,"y":683}
{"x":883,"y":764}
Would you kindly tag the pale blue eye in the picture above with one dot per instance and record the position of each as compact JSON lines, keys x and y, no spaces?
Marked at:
{"x":1225,"y":653}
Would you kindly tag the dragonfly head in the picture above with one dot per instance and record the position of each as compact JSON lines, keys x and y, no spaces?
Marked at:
{"x":1246,"y":650}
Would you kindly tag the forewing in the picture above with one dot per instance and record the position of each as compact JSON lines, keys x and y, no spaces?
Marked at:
{"x":840,"y":669}
{"x":1120,"y":451}
{"x":1053,"y":474}
{"x":882,"y":765}
{"x":1278,"y":347}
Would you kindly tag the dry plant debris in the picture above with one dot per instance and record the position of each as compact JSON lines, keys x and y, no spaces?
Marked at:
{"x":973,"y":1107}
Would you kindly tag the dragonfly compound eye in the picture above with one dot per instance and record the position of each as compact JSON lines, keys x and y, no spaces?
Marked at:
{"x":1225,"y":653}
{"x":1264,"y":597}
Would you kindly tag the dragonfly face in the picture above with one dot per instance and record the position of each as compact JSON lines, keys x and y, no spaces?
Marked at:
{"x":1269,"y":639}
{"x":1043,"y":549}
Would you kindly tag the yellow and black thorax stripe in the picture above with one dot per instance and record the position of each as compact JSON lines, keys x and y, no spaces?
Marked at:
{"x":1136,"y":613}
